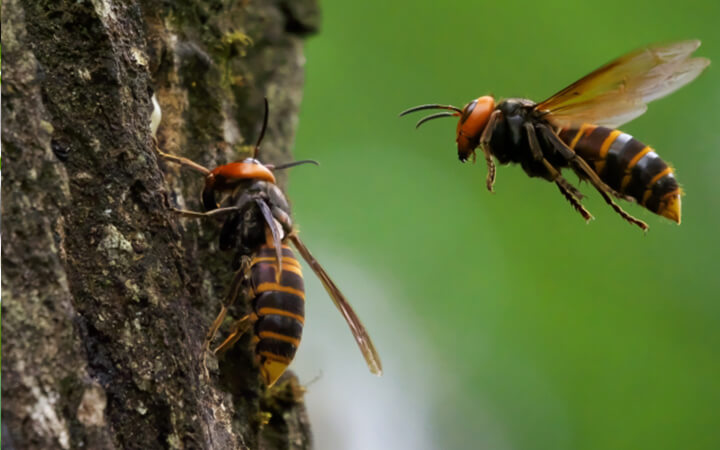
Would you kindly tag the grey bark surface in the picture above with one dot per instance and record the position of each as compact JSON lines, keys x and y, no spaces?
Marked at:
{"x":106,"y":294}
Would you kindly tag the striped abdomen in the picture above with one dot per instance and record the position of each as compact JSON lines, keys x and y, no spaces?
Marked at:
{"x":280,"y":308}
{"x":628,"y":166}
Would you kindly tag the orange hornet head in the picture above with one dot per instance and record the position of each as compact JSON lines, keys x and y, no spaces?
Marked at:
{"x":473,"y":119}
{"x":228,"y":177}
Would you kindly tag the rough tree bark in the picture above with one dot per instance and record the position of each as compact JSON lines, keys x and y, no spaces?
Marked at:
{"x":107,"y":295}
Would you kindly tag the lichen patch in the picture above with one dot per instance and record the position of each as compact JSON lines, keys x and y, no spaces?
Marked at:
{"x":91,"y":411}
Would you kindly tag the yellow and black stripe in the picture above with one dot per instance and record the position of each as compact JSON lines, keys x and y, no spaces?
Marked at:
{"x":280,"y":308}
{"x":628,"y":166}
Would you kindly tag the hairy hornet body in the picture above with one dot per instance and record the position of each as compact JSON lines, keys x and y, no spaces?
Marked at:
{"x":258,"y":227}
{"x":628,"y":166}
{"x":245,"y":229}
{"x":278,"y":309}
{"x":272,"y":279}
{"x":575,"y":128}
{"x":623,"y":163}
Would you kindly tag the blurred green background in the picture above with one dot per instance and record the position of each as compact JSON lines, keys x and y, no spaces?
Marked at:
{"x":504,"y":321}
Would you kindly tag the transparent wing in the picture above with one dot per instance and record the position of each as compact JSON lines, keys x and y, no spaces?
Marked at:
{"x":358,"y":329}
{"x":276,"y":234}
{"x":619,"y":91}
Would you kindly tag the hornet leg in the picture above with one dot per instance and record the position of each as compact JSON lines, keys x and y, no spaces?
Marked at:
{"x":219,"y":212}
{"x":585,"y":171}
{"x":233,"y":293}
{"x":239,"y":328}
{"x":579,"y":165}
{"x":485,"y":146}
{"x":569,"y":191}
{"x":283,"y":218}
{"x":180,"y":160}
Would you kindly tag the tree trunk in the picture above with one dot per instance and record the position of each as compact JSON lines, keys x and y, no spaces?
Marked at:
{"x":106,"y":294}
